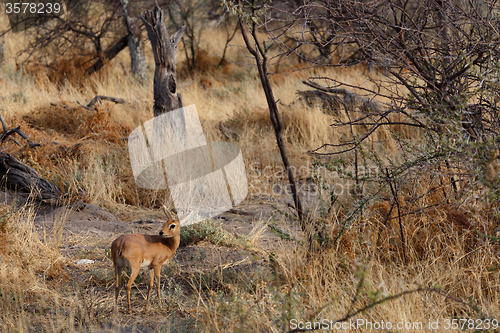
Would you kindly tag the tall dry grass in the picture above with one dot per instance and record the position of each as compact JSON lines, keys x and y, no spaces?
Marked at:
{"x":454,"y":268}
{"x":30,"y":266}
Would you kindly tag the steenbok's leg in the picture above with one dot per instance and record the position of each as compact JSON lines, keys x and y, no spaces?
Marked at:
{"x":118,"y":274}
{"x":157,"y":274}
{"x":135,"y":272}
{"x":151,"y":281}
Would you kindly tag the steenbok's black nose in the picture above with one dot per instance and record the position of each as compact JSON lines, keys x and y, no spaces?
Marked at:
{"x":161,"y":233}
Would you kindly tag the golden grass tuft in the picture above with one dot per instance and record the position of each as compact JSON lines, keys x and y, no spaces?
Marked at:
{"x":65,"y":118}
{"x":6,"y":238}
{"x":25,"y":257}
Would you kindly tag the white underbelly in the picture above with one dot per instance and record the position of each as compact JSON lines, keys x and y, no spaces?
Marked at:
{"x":145,"y":263}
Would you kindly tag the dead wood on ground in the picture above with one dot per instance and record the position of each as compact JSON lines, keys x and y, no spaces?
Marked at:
{"x":19,"y":177}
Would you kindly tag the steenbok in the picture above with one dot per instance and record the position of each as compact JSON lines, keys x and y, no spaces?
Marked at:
{"x":137,"y":250}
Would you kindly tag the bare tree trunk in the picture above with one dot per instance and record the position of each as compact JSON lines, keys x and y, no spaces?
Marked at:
{"x":135,"y":43}
{"x":260,"y":55}
{"x":165,"y":54}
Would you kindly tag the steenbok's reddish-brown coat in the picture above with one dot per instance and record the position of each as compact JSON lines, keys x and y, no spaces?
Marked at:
{"x":137,"y":250}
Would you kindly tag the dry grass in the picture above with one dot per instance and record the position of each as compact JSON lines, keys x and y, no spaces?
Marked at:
{"x":84,"y":152}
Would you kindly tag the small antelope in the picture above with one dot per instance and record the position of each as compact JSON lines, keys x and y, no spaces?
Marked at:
{"x":137,"y":250}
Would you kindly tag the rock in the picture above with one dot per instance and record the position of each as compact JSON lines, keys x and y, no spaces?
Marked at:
{"x":84,"y":262}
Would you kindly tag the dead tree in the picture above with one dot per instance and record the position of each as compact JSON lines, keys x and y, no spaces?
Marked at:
{"x":260,"y":54}
{"x":135,"y":43}
{"x":165,"y":55}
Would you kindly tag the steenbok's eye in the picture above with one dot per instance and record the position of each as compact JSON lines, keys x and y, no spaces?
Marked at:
{"x":172,"y":226}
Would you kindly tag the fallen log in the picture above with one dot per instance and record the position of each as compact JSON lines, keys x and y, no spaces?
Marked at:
{"x":98,"y":98}
{"x":350,"y":101}
{"x":24,"y":180}
{"x":19,"y":177}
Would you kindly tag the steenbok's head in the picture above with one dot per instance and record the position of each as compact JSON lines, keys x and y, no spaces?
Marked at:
{"x":172,"y":226}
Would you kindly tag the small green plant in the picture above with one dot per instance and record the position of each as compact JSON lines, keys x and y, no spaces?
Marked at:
{"x":19,"y":97}
{"x":280,"y":233}
{"x":108,"y":253}
{"x":200,"y":256}
{"x":106,"y":276}
{"x":172,"y":292}
{"x":141,"y":277}
{"x":209,"y":231}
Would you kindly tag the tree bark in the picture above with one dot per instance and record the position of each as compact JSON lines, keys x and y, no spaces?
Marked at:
{"x":165,"y":55}
{"x":135,"y":43}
